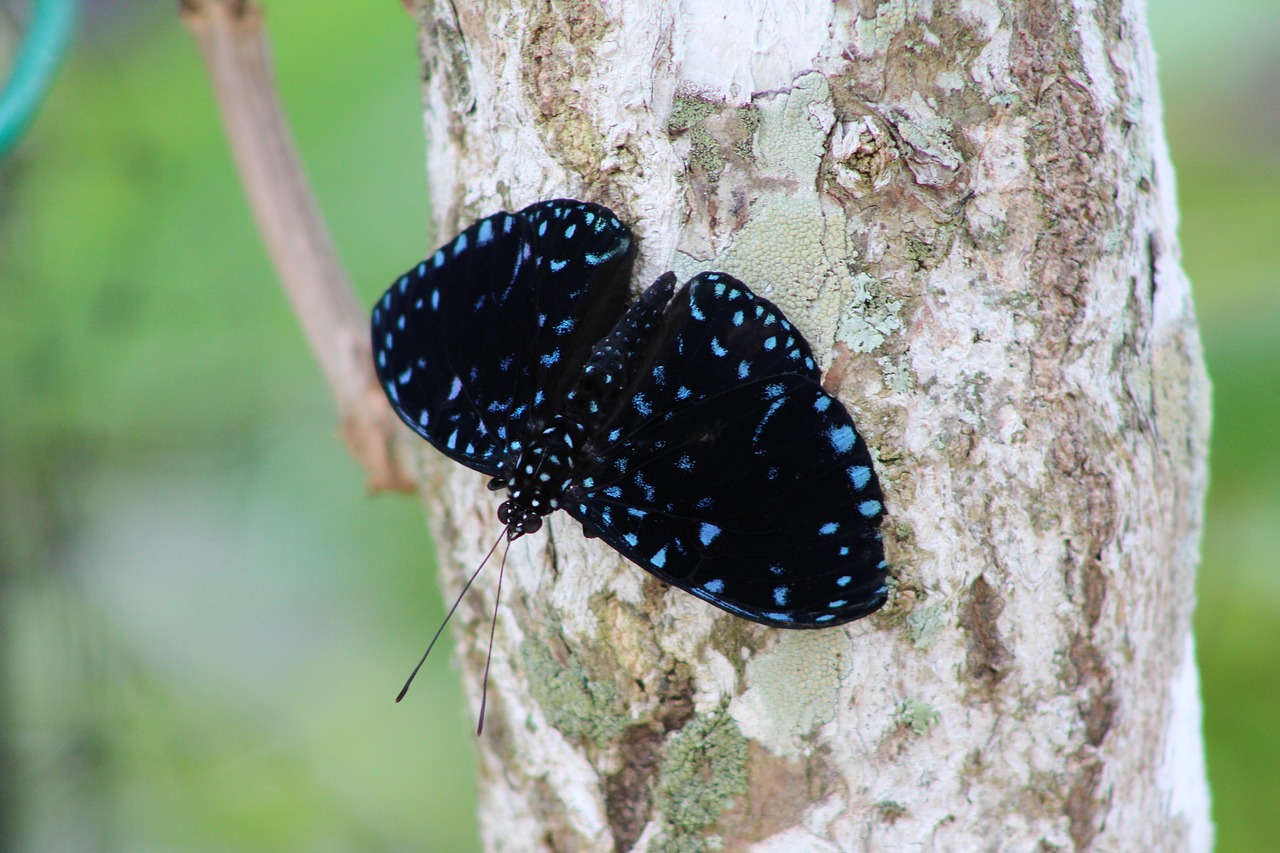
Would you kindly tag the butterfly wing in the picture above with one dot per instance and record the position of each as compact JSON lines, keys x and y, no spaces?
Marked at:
{"x":729,"y":472}
{"x":716,"y":334}
{"x":496,"y":324}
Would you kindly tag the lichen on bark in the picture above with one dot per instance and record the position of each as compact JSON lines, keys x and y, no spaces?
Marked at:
{"x":968,"y":211}
{"x":704,"y":768}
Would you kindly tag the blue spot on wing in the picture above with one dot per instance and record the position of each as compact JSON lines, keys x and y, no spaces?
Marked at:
{"x":842,"y":438}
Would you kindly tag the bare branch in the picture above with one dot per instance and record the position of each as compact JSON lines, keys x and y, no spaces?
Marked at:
{"x":232,"y":41}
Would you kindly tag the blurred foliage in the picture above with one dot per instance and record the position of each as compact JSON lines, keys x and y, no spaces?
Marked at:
{"x":1220,"y":75}
{"x":204,"y":617}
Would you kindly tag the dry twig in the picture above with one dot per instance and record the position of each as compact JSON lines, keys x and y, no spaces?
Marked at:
{"x":232,"y":41}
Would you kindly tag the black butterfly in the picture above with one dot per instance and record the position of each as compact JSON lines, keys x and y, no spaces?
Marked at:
{"x":689,"y":431}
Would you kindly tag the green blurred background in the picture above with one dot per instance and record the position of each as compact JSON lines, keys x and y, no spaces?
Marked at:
{"x":204,"y":617}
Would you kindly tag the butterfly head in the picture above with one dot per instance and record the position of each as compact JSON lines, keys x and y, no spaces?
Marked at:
{"x":518,"y":519}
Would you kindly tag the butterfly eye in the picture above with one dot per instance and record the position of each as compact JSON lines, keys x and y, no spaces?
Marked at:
{"x":529,"y":523}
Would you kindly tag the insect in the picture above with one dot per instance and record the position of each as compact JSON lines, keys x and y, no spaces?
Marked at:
{"x":687,"y":429}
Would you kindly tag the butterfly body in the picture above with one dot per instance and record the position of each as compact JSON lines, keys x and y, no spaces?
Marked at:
{"x":689,"y":430}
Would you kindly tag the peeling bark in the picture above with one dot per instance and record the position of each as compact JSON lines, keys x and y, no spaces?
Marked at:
{"x":969,"y":211}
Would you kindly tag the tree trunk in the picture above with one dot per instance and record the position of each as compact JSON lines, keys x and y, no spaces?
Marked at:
{"x":970,"y":214}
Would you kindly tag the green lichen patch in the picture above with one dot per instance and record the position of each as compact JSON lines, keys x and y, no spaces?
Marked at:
{"x":925,"y":623}
{"x":898,"y":375}
{"x":794,"y":127}
{"x":794,"y":248}
{"x":555,"y":77}
{"x":575,"y":703}
{"x":704,"y":155}
{"x":890,"y":810}
{"x":704,"y":768}
{"x":716,"y":134}
{"x":795,"y":688}
{"x":871,"y":316}
{"x":917,"y":716}
{"x":749,"y":120}
{"x":687,"y":110}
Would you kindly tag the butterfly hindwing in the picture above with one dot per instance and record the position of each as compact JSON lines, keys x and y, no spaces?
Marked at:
{"x":746,"y":486}
{"x":498,"y":322}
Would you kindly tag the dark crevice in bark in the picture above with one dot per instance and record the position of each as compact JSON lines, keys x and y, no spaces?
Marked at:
{"x":628,"y":794}
{"x":988,"y":658}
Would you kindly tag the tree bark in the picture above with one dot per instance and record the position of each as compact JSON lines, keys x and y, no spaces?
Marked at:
{"x":969,"y":211}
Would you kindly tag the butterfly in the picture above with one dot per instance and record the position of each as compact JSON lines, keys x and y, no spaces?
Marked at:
{"x":687,"y":429}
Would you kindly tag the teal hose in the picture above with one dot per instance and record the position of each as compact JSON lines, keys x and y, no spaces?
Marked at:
{"x":42,"y":48}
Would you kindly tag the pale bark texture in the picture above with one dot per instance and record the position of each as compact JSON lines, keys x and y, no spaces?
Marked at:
{"x":969,"y":210}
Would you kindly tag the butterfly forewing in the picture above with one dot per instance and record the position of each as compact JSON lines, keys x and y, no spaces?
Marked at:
{"x":498,"y":322}
{"x":716,"y":335}
{"x":582,"y":255}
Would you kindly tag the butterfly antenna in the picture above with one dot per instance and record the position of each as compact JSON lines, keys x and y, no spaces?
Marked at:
{"x":484,"y":690}
{"x":440,"y":630}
